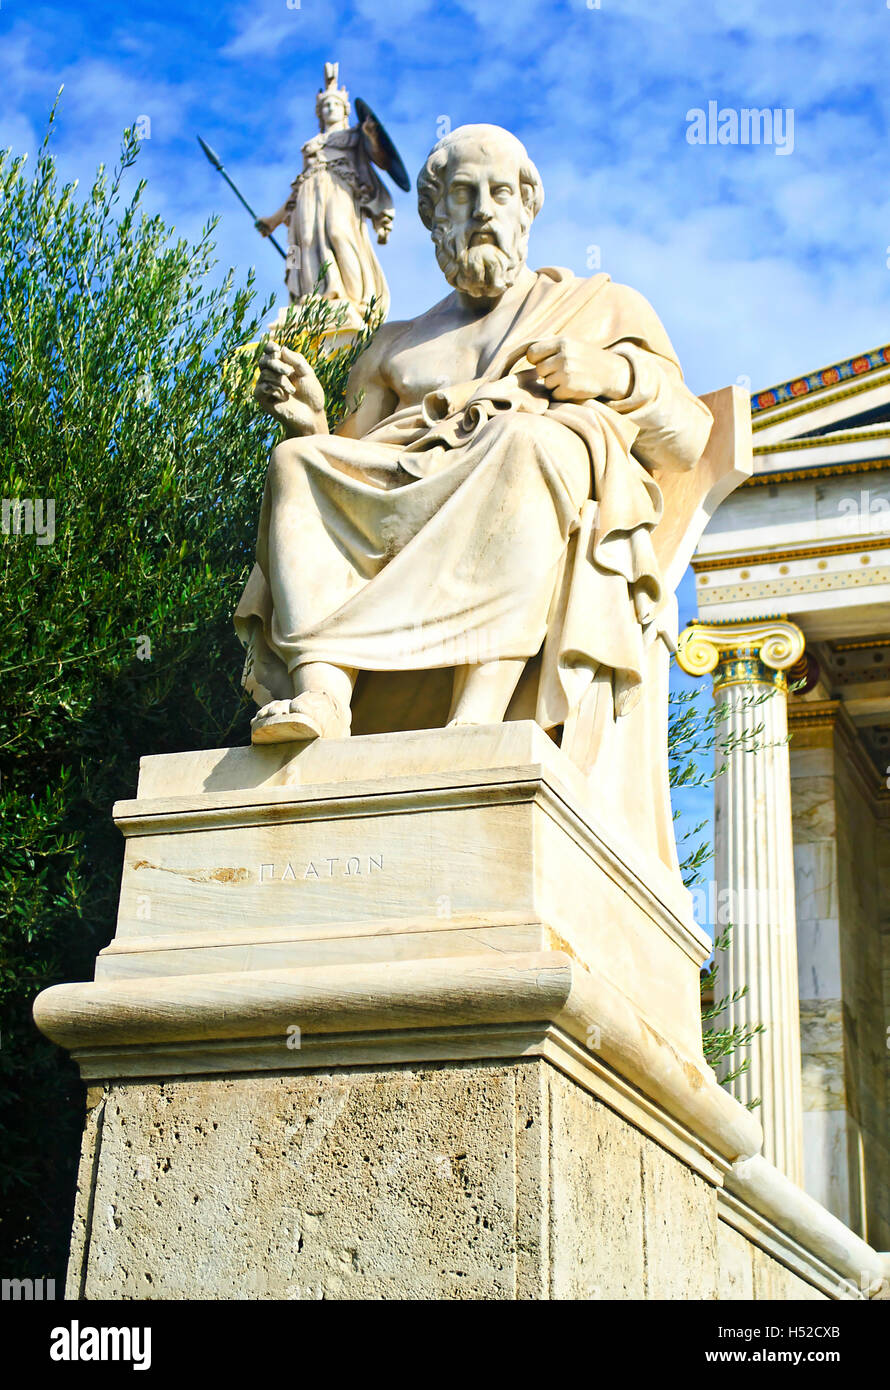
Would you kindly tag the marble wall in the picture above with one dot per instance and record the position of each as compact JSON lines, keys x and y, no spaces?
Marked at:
{"x":841,"y":853}
{"x":861,"y":844}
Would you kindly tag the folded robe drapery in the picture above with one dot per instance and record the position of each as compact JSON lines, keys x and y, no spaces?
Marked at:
{"x":444,"y":532}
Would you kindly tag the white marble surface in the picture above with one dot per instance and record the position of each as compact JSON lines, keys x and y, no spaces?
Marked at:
{"x":332,"y":200}
{"x":438,"y":526}
{"x":754,"y":865}
{"x":395,"y":847}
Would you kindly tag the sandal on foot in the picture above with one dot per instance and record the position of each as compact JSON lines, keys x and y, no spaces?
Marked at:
{"x":310,"y":715}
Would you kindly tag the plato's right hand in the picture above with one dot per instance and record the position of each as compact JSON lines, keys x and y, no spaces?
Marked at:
{"x":289,"y":391}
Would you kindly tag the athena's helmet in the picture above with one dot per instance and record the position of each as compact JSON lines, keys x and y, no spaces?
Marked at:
{"x":330,"y":89}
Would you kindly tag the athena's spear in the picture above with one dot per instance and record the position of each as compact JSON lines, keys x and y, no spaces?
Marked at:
{"x":218,"y":165}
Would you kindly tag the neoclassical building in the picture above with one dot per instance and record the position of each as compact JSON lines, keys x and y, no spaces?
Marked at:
{"x":793,"y":589}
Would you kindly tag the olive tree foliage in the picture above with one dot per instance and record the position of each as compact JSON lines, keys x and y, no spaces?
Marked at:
{"x":126,"y":419}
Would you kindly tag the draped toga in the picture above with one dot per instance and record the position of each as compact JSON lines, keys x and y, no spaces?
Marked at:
{"x":326,"y":212}
{"x":442,"y":537}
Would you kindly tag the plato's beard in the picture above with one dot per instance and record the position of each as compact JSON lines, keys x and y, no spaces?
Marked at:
{"x":477,"y":270}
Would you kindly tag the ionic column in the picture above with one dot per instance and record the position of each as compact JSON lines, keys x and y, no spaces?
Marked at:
{"x":754,"y":863}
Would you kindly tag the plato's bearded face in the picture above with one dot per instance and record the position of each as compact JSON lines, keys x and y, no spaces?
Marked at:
{"x":482,"y":224}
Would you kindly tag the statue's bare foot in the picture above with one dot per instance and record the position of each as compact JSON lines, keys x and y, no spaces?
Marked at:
{"x":310,"y":715}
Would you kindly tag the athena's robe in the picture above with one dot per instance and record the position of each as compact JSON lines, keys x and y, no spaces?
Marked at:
{"x":460,"y":530}
{"x":326,"y":213}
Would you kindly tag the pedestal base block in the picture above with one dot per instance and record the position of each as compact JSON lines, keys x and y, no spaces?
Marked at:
{"x":459,"y":1181}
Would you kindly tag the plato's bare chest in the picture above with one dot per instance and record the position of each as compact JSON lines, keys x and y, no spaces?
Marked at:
{"x":424,"y":364}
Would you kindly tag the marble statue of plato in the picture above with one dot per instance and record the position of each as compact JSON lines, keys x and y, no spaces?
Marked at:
{"x":490,"y":502}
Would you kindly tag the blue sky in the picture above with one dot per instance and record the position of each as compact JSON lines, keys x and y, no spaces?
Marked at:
{"x":762,"y":265}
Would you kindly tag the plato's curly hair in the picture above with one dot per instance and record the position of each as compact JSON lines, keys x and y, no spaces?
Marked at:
{"x":431,"y":185}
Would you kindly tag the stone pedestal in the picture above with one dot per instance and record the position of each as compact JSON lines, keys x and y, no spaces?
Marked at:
{"x":260,"y":883}
{"x":398,"y":1017}
{"x":754,"y":865}
{"x":499,"y":1180}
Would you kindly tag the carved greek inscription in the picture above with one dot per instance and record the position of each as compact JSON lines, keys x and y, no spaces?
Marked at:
{"x":322,"y":867}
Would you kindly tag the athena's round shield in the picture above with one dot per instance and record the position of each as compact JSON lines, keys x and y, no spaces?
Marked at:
{"x":379,"y":146}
